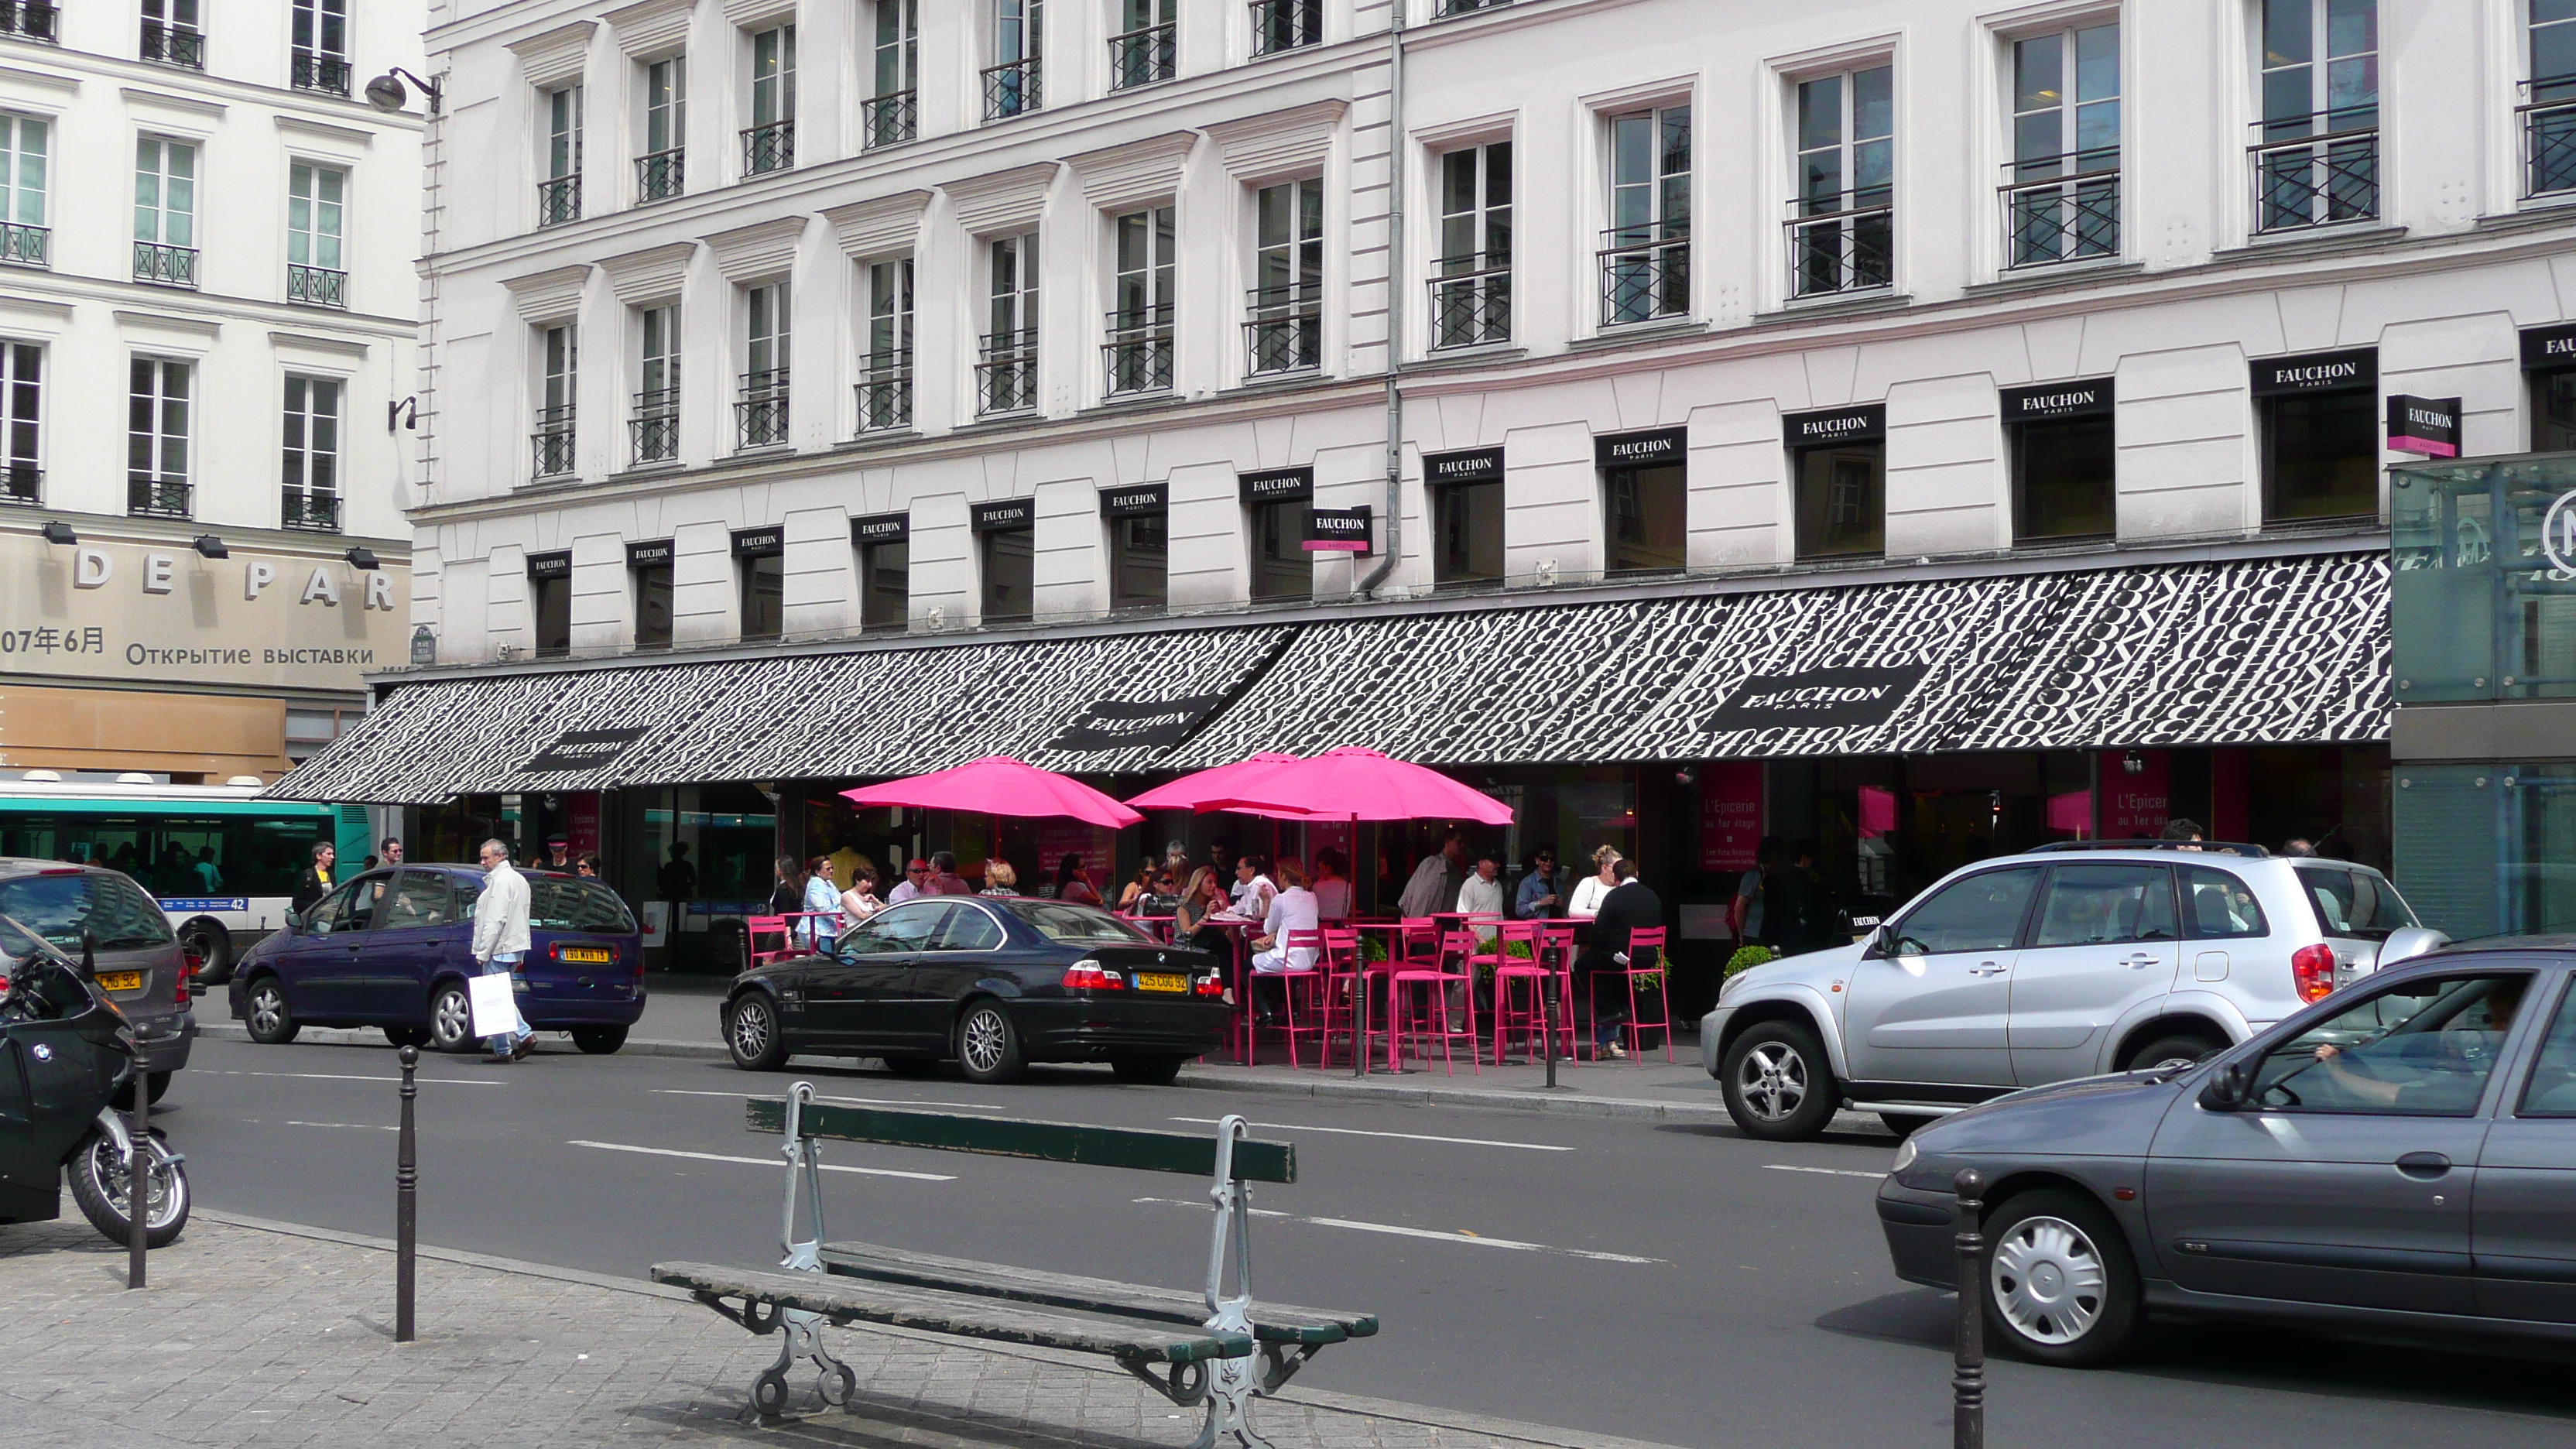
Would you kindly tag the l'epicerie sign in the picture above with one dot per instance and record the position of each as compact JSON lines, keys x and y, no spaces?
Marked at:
{"x":151,"y":611}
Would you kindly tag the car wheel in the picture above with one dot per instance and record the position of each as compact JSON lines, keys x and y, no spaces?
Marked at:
{"x":751,"y":1034}
{"x":212,"y":945}
{"x":988,"y":1045}
{"x":1147,"y":1071}
{"x":264,"y":1013}
{"x":914,"y":1067}
{"x":407,"y":1036}
{"x":599,"y":1041}
{"x":2179,"y":1049}
{"x":1903,"y":1124}
{"x":2061,"y":1286}
{"x":451,"y":1019}
{"x":1778,"y":1086}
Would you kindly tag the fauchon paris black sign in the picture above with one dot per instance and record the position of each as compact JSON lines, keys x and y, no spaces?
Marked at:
{"x":1662,"y":448}
{"x":1008,"y":514}
{"x":653,"y":555}
{"x":2429,"y":426}
{"x":1122,"y":724}
{"x":2049,"y":401}
{"x":1338,"y":530}
{"x":1277,"y":485}
{"x":2548,"y":348}
{"x":1474,"y":465}
{"x":1136,"y":500}
{"x":881,"y":528}
{"x":1866,"y":423}
{"x":2316,"y":372}
{"x":760,"y":542}
{"x":1818,"y":699}
{"x":550,"y":566}
{"x":576,"y":751}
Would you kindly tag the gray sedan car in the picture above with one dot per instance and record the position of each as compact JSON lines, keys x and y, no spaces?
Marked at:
{"x":2397,"y":1158}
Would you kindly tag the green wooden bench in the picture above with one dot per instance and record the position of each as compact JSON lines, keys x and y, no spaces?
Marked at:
{"x":1216,"y":1348}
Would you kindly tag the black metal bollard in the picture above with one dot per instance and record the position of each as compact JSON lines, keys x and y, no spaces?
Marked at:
{"x":138,"y":1180}
{"x":1547,"y":997}
{"x":406,"y":1200}
{"x":1968,"y":1383}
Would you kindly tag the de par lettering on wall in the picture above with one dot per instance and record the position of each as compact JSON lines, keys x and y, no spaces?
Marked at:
{"x":95,"y":569}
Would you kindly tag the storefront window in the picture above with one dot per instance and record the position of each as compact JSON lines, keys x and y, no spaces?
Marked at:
{"x":652,"y":606}
{"x":1842,"y":500}
{"x":763,"y":583}
{"x":553,"y":607}
{"x":2480,"y":602}
{"x":2320,"y":456}
{"x":1645,"y":518}
{"x":2063,"y":484}
{"x":1467,"y":534}
{"x":1010,"y":575}
{"x":1140,"y":551}
{"x":885,"y":583}
{"x":1280,"y":567}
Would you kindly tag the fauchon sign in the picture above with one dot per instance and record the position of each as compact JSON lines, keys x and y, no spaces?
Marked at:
{"x":1662,"y":448}
{"x":1864,"y":424}
{"x":1137,"y":500}
{"x":1119,"y":724}
{"x":1277,"y":485}
{"x":1474,"y":465}
{"x":2049,"y":401}
{"x":2548,"y":348}
{"x":1337,"y":530}
{"x":760,"y":542}
{"x":653,"y":555}
{"x":2429,"y":426}
{"x":550,"y":566}
{"x":2316,"y":372}
{"x":1818,"y":699}
{"x":150,"y":611}
{"x":882,"y":528}
{"x":579,"y":751}
{"x":1005,"y":515}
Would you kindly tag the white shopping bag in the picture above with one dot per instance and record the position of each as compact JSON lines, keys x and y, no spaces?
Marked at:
{"x":494,"y":1010}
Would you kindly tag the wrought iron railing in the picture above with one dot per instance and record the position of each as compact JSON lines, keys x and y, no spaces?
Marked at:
{"x":655,"y":428}
{"x":174,"y":45}
{"x":760,"y":416}
{"x":28,"y":19}
{"x":1471,"y":301}
{"x":1284,"y":333}
{"x":1852,"y":250}
{"x":1645,"y":274}
{"x":1280,"y":25}
{"x":1448,"y":8}
{"x":2328,"y":176}
{"x":316,"y":286}
{"x":166,"y":266}
{"x":1139,"y":351}
{"x":660,"y":175}
{"x":2549,"y":141}
{"x":157,"y":495}
{"x":311,"y":70}
{"x":1014,"y":88}
{"x":559,"y":199}
{"x":2056,"y":210}
{"x":552,"y":442}
{"x":890,"y":119}
{"x":1142,"y":57}
{"x":1006,"y":379}
{"x":21,"y":482}
{"x":316,"y":512}
{"x":768,"y":148}
{"x":885,"y":392}
{"x":26,"y":246}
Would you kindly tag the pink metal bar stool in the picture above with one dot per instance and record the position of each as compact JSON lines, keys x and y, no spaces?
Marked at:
{"x":1642,"y":943}
{"x":1341,"y":963}
{"x":1435,"y":1018}
{"x":1520,"y":1004}
{"x":1310,"y":984}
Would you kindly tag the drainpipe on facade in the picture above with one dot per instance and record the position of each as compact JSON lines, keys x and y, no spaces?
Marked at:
{"x":1394,"y":304}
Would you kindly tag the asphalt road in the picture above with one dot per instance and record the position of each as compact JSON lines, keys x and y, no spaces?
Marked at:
{"x":1663,"y":1282}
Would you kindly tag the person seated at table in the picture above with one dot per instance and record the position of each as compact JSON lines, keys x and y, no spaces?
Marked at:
{"x":1539,"y":895}
{"x":1162,"y":897}
{"x":1189,"y":915}
{"x":1332,"y":885}
{"x":1138,"y":886}
{"x":1000,"y":879}
{"x":1482,"y":895}
{"x":1590,"y":891}
{"x":1631,"y":907}
{"x":1292,"y":909}
{"x":1073,"y":883}
{"x":1253,"y":888}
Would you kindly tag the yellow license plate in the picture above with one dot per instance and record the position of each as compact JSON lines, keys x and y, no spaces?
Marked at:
{"x":589,"y":955}
{"x":1156,"y":981}
{"x":120,"y":981}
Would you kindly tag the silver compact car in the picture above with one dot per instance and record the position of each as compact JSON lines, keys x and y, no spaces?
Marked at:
{"x":2395,"y":1159}
{"x":2063,"y":962}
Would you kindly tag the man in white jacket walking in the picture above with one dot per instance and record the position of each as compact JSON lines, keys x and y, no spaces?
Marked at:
{"x":501,"y":942}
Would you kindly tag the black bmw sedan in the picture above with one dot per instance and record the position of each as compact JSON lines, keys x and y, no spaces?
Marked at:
{"x":989,"y":982}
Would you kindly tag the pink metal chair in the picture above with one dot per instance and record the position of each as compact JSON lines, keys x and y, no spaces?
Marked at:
{"x":1314,"y":986}
{"x":1645,"y":958}
{"x":1340,"y":964}
{"x":1420,"y":1001}
{"x":1520,"y":991}
{"x":759,"y":929}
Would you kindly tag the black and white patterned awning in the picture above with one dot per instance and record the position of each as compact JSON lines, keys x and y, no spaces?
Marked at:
{"x":1113,"y":704}
{"x":2265,"y":651}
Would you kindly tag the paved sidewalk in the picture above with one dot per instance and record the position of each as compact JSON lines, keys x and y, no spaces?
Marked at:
{"x":266,"y":1334}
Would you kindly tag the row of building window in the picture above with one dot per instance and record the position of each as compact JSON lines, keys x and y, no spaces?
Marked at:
{"x":161,"y":437}
{"x":173,"y":34}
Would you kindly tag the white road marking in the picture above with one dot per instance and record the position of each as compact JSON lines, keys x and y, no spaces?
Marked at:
{"x":1404,"y":1136}
{"x":1823,"y":1171}
{"x":846,"y":1101}
{"x":361,"y":1126}
{"x":1470,"y":1239}
{"x":349,"y":1077}
{"x":759,"y":1161}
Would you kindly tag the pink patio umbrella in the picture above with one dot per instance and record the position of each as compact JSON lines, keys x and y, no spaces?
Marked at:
{"x":1186,"y":792}
{"x":1000,"y":785}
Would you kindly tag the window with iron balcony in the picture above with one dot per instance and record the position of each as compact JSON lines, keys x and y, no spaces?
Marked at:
{"x":170,"y":34}
{"x":1285,"y":323}
{"x":1139,"y":347}
{"x":26,"y":160}
{"x":159,"y":429}
{"x":1148,"y":49}
{"x":1471,"y":285}
{"x":318,"y":46}
{"x":2315,"y":155}
{"x":29,"y":20}
{"x":1014,"y":84}
{"x":1006,"y":377}
{"x":1645,"y":253}
{"x":1842,"y":224}
{"x":769,"y":142}
{"x":559,"y":193}
{"x":885,"y":369}
{"x":165,"y":212}
{"x":22,"y":377}
{"x":2061,"y":190}
{"x":660,"y":173}
{"x":1447,"y":8}
{"x":891,"y":114}
{"x":2549,"y":112}
{"x":1284,"y":25}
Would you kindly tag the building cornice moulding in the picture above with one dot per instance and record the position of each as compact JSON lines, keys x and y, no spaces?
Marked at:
{"x":744,"y":14}
{"x":349,"y":137}
{"x":556,"y":56}
{"x":193,"y":106}
{"x":651,"y":28}
{"x":36,"y":313}
{"x":42,"y":79}
{"x":879,"y":226}
{"x":764,"y":249}
{"x":1135,"y":173}
{"x":1281,"y":145}
{"x":1001,"y":202}
{"x":553,"y":295}
{"x":651,"y":275}
{"x":200,"y":329}
{"x":307,"y":342}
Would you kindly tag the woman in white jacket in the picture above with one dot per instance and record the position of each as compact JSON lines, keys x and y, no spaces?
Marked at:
{"x":1588,"y":891}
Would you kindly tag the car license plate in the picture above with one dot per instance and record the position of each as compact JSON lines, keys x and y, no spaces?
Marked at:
{"x":120,"y":981}
{"x":589,"y":955}
{"x":1157,"y":981}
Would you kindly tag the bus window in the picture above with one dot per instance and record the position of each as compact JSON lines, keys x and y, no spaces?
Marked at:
{"x":175,"y":855}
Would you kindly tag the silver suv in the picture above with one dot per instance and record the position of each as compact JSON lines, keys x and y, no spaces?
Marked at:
{"x":2067,"y":961}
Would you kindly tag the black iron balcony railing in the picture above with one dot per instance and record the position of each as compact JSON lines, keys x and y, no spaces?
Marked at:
{"x":760,"y":417}
{"x":1142,"y":57}
{"x":1852,"y":250}
{"x":1014,"y":88}
{"x":166,"y":266}
{"x":655,"y":428}
{"x":1006,"y":380}
{"x":1284,"y":333}
{"x":21,"y":482}
{"x":890,"y":119}
{"x":157,"y":495}
{"x":316,"y":512}
{"x":1448,"y":8}
{"x":1471,"y":301}
{"x":174,"y":45}
{"x":885,"y":392}
{"x":311,"y":70}
{"x":28,"y":19}
{"x":660,"y":175}
{"x":553,"y":442}
{"x":1279,"y":25}
{"x":559,"y":200}
{"x":2549,"y":138}
{"x":768,"y":148}
{"x":2062,"y":209}
{"x":1645,"y":274}
{"x":25,"y":246}
{"x":316,"y":286}
{"x":2317,"y":170}
{"x":1139,"y":351}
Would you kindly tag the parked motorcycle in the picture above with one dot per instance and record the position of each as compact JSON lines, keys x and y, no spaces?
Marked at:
{"x":65,"y":1052}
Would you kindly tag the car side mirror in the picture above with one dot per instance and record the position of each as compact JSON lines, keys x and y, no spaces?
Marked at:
{"x":2228,"y":1088}
{"x":2405,"y":944}
{"x":1882,"y":943}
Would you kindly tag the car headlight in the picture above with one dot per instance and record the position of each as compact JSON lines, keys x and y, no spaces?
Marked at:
{"x":1727,"y":989}
{"x":1906,"y":1152}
